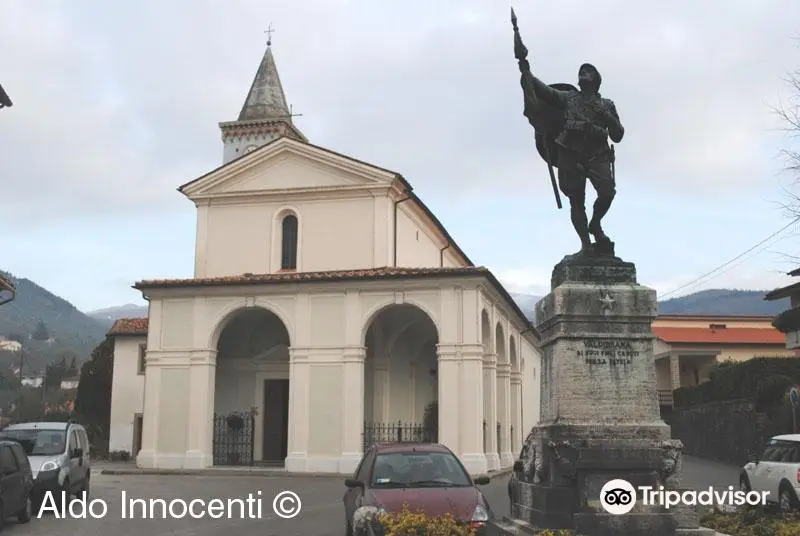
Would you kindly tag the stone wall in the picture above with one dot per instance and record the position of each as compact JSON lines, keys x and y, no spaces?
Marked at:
{"x":727,"y":431}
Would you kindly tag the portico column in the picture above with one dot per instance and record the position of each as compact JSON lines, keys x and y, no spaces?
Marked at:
{"x":200,"y":440}
{"x":675,"y":370}
{"x":489,"y":441}
{"x":147,"y":457}
{"x":504,"y":413}
{"x":516,"y":413}
{"x":460,"y":377}
{"x":297,"y":457}
{"x":353,"y":404}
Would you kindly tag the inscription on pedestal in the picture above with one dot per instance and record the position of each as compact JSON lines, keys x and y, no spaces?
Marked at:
{"x":607,"y":352}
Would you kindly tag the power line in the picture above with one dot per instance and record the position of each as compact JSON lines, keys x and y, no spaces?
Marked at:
{"x":720,"y":267}
{"x":736,"y":265}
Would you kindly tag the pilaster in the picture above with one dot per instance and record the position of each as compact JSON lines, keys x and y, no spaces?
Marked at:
{"x":516,"y":412}
{"x":461,"y":403}
{"x":353,"y":402}
{"x":504,"y":414}
{"x":490,"y":413}
{"x":297,"y":458}
{"x":200,"y":440}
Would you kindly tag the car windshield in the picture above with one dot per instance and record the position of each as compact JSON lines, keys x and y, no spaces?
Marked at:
{"x":418,"y":470}
{"x":38,"y":442}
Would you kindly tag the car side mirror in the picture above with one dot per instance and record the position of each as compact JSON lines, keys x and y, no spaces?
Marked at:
{"x":518,"y":467}
{"x":482,"y":480}
{"x":353,"y":483}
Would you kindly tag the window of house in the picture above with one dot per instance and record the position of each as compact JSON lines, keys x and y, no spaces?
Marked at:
{"x":142,"y":353}
{"x":289,"y":243}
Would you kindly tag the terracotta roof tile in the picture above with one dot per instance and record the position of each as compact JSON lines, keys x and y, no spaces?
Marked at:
{"x":719,"y":336}
{"x":129,"y":326}
{"x":310,"y":277}
{"x":386,"y":273}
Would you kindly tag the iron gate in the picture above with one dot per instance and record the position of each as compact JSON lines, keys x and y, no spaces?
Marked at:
{"x":234,"y":436}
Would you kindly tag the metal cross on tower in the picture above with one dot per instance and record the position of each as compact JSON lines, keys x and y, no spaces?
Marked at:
{"x":269,"y":31}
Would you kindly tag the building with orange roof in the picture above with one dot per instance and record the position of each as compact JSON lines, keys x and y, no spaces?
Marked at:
{"x":688,"y":346}
{"x":328,"y":303}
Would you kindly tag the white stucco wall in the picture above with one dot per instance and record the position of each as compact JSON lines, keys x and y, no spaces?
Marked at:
{"x":127,"y":391}
{"x":329,"y":383}
{"x":346,"y":216}
{"x":531,"y":387}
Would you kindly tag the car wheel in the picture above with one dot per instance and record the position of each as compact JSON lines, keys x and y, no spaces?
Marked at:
{"x":744,"y":484}
{"x":66,"y":493}
{"x":786,"y":501}
{"x":25,"y":515}
{"x":85,"y":488}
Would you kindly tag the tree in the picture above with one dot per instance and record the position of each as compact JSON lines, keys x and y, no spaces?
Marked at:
{"x":93,"y":401}
{"x":41,"y":333}
{"x":54,"y":374}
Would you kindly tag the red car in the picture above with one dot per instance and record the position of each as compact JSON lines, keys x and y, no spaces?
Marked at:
{"x":424,"y":477}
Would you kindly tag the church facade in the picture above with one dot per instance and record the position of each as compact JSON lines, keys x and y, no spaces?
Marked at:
{"x":329,"y":309}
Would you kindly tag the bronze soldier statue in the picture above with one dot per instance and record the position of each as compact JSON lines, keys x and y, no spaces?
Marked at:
{"x":572,"y":129}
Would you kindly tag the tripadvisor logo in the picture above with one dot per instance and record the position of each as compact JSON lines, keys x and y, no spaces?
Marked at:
{"x":618,"y":497}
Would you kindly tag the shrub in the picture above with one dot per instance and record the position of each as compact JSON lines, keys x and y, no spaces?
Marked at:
{"x":740,"y":380}
{"x":407,"y":523}
{"x":752,"y":522}
{"x":771,"y":390}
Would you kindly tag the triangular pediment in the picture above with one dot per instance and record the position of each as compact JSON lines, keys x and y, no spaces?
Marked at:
{"x":285,"y":165}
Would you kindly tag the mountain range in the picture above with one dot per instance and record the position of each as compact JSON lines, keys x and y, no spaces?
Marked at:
{"x":50,"y":327}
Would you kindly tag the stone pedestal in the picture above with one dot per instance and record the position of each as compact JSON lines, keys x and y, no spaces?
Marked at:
{"x":600,"y":416}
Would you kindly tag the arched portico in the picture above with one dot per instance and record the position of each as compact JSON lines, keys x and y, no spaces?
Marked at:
{"x":400,"y":375}
{"x":489,"y":393}
{"x":503,"y":426}
{"x":251,"y":385}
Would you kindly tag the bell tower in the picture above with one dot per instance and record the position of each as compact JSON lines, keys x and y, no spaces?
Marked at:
{"x":265,"y":115}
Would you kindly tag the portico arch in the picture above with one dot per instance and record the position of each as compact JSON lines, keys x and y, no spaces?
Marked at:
{"x":400,"y":375}
{"x":251,"y":403}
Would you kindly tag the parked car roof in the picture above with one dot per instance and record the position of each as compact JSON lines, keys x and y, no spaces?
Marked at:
{"x":40,"y":425}
{"x":411,"y":447}
{"x":787,"y":437}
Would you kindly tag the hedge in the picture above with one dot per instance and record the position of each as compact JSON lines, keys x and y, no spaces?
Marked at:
{"x":764,"y":380}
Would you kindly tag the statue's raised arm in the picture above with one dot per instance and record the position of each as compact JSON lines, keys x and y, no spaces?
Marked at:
{"x":533,"y":89}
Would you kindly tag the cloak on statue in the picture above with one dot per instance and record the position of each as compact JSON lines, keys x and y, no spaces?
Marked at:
{"x":547,"y":121}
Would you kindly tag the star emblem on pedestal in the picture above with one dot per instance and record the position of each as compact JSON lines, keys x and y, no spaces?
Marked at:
{"x":606,"y":301}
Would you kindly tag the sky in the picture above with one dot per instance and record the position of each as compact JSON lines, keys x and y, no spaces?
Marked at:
{"x":116,"y":104}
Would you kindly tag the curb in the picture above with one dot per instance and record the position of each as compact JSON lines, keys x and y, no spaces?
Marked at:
{"x":217,"y":472}
{"x":248,"y":472}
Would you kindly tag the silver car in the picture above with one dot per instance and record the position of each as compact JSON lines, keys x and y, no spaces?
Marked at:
{"x":59,"y":457}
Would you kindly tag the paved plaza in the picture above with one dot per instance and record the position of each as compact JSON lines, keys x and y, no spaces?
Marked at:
{"x":321,"y":503}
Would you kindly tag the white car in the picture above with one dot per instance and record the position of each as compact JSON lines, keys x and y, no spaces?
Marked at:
{"x":776,"y":471}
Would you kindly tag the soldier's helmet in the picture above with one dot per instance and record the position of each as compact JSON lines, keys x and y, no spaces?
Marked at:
{"x":591,"y":69}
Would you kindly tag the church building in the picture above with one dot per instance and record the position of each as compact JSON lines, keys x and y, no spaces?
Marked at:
{"x":329,"y":309}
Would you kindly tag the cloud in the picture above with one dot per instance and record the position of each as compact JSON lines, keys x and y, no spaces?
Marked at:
{"x":115,"y":106}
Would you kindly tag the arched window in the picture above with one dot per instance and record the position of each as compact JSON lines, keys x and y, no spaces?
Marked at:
{"x":289,"y":243}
